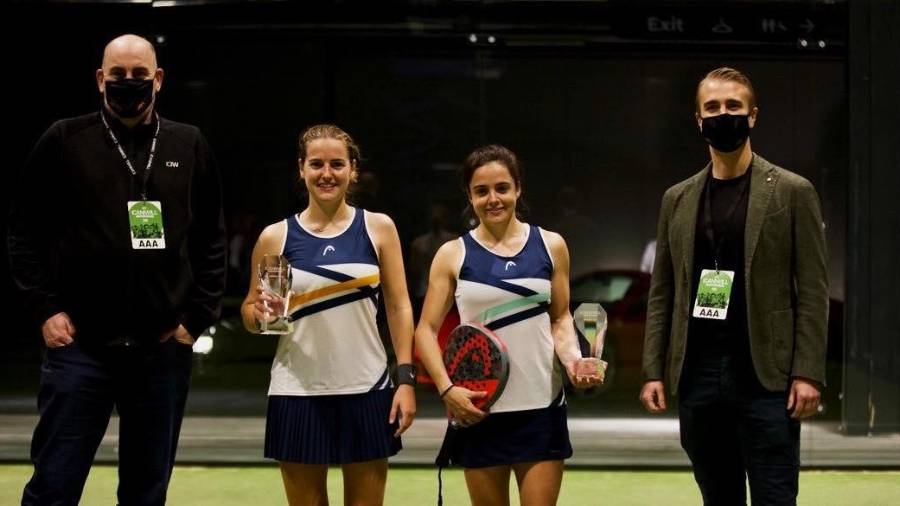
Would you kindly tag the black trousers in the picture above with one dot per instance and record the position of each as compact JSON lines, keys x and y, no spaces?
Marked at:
{"x":734,"y":430}
{"x":147,"y":384}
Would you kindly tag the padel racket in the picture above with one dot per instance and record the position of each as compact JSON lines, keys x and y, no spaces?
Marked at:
{"x":477,"y":359}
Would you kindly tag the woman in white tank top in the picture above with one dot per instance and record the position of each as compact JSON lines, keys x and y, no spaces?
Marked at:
{"x":526,"y":433}
{"x":331,"y":399}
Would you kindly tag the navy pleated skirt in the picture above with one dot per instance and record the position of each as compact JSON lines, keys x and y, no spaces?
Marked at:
{"x":510,"y":438}
{"x":331,"y":429}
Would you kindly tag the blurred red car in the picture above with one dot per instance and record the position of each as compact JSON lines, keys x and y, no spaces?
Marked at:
{"x":623,"y":294}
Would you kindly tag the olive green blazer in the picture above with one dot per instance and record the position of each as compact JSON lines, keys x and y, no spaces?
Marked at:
{"x":786,"y":279}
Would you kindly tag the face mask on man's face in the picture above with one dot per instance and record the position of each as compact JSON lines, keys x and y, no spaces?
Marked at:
{"x":129,"y":98}
{"x":726,"y":132}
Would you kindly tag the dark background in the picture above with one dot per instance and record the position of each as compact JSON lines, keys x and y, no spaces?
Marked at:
{"x":596,"y":98}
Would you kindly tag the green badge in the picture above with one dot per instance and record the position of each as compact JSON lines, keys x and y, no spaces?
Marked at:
{"x":145,"y":220}
{"x":713,"y":294}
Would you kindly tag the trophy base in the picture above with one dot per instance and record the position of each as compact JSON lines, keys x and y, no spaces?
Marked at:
{"x":590,"y":367}
{"x":278,"y":327}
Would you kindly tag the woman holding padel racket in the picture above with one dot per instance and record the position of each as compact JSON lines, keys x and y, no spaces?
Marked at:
{"x":331,"y":397}
{"x":510,"y":283}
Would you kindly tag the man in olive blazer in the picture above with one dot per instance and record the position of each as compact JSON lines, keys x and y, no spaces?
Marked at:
{"x":743,"y":384}
{"x":787,"y":293}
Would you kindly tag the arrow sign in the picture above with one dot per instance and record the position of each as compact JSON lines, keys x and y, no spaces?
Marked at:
{"x":808,"y":26}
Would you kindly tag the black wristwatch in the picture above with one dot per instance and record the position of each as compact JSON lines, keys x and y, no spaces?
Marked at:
{"x":406,"y":374}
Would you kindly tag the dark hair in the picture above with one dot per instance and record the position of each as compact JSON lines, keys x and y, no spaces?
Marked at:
{"x":727,"y":74}
{"x":485,"y":155}
{"x":327,"y":131}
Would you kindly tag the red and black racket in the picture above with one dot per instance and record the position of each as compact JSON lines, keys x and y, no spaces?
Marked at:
{"x":477,"y":359}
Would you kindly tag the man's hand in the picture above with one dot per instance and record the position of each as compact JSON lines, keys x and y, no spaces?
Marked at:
{"x":803,"y":400}
{"x":653,"y":396}
{"x":180,"y":334}
{"x":58,"y":331}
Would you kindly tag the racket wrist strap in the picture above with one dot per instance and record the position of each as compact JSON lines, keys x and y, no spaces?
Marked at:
{"x":447,"y":390}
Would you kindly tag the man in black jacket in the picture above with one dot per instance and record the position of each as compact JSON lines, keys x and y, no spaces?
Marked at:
{"x":117,"y":242}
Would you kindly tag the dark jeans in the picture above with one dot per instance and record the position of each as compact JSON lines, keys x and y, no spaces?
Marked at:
{"x":146,"y":384}
{"x":731,"y":427}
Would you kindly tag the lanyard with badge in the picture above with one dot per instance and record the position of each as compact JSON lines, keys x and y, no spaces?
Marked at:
{"x":144,"y":216}
{"x":714,"y":285}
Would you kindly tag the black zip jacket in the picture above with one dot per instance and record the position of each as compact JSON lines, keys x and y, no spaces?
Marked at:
{"x":69,"y":239}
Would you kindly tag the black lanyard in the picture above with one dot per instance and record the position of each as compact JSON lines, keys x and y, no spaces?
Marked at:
{"x":146,"y":175}
{"x":714,"y":243}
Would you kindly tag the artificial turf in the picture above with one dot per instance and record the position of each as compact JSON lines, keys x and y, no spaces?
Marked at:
{"x":260,"y":486}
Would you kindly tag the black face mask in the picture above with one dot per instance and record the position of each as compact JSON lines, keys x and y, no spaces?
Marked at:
{"x":129,"y":98}
{"x":726,"y":132}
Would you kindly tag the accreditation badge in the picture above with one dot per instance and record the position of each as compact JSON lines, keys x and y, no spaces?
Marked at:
{"x":713,"y":294}
{"x":145,"y":221}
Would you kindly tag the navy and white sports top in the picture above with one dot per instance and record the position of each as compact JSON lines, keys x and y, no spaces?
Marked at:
{"x":335,"y":347}
{"x":511,"y":296}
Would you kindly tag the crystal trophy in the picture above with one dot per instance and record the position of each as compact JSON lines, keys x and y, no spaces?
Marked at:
{"x":590,"y":320}
{"x":275,"y":278}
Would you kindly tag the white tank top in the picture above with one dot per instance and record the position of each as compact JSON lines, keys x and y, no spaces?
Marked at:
{"x":335,"y":347}
{"x":511,"y":296}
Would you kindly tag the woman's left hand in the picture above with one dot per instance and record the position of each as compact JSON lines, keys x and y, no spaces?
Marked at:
{"x":404,"y":406}
{"x":584,"y":381}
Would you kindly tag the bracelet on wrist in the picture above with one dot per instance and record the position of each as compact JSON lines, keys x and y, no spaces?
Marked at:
{"x":447,"y":390}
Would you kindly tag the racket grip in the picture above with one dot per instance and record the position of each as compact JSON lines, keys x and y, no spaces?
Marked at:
{"x":447,"y":446}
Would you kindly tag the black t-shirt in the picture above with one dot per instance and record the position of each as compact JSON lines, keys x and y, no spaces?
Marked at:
{"x":729,"y":336}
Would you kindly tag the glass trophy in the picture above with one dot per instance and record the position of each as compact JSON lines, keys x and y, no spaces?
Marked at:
{"x":590,"y":320}
{"x":275,"y":277}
